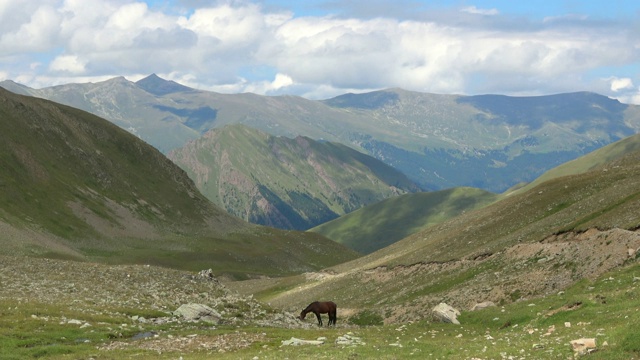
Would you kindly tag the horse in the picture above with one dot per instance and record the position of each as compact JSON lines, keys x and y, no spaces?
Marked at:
{"x":325,"y":307}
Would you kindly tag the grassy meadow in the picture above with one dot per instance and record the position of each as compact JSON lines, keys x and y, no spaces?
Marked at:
{"x":607,"y":309}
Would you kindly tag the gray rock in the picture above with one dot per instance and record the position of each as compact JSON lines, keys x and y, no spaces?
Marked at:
{"x":446,"y":313}
{"x":483,"y":305}
{"x":296,"y":342}
{"x":198,"y":312}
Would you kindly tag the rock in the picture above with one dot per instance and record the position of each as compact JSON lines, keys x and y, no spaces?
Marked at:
{"x":198,"y":312}
{"x":583,"y":346}
{"x":296,"y":342}
{"x":349,"y":340}
{"x":446,"y":313}
{"x":483,"y":305}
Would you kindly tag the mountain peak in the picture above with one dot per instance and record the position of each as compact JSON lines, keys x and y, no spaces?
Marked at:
{"x":158,"y":86}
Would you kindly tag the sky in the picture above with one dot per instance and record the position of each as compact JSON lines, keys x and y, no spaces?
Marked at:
{"x":323,"y":48}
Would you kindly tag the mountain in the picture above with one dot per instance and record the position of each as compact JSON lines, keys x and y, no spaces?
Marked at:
{"x":383,"y":223}
{"x":282,"y":182}
{"x":76,"y":186}
{"x":525,"y":246}
{"x":491,"y":142}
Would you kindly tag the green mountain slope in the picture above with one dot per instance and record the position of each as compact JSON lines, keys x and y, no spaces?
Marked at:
{"x":529,"y":244}
{"x":439,"y":141}
{"x":286,"y":183}
{"x":74,"y":185}
{"x":381,"y":224}
{"x":585,"y":163}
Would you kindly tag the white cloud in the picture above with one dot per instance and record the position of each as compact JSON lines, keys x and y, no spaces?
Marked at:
{"x":618,"y":84}
{"x":35,"y":33}
{"x":475,"y":10}
{"x":67,"y":64}
{"x":236,"y":46}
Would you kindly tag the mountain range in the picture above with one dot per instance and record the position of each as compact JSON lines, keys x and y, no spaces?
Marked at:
{"x":491,"y":142}
{"x":553,"y":260}
{"x":76,"y":186}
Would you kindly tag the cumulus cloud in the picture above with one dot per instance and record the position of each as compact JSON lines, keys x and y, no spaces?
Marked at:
{"x":219,"y":45}
{"x":618,"y":84}
{"x":67,"y":64}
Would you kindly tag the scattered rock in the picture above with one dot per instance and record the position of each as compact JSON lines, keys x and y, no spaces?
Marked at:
{"x":198,"y":312}
{"x":296,"y":342}
{"x":349,"y":340}
{"x":583,"y":346}
{"x":446,"y":313}
{"x":483,"y":305}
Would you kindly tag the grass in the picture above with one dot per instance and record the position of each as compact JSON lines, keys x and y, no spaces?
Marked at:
{"x":87,"y":189}
{"x":606,"y":309}
{"x":383,"y":223}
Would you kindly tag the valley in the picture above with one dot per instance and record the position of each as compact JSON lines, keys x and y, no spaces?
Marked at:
{"x":105,"y":239}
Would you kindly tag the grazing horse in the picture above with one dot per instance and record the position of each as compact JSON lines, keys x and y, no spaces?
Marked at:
{"x":325,"y":307}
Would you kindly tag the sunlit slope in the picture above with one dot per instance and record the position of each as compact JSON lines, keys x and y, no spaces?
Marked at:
{"x":587,"y":162}
{"x":383,"y":223}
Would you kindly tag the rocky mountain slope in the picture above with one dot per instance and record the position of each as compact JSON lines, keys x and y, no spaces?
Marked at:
{"x":282,"y":182}
{"x":529,"y":244}
{"x":76,"y":186}
{"x":439,"y":141}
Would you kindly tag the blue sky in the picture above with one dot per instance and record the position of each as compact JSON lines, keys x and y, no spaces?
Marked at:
{"x":322,"y":48}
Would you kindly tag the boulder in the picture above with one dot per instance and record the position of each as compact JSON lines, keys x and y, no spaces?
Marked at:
{"x":446,"y":313}
{"x":198,"y":312}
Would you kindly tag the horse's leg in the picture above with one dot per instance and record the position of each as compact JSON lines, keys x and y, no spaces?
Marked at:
{"x":332,"y":318}
{"x":319,"y":319}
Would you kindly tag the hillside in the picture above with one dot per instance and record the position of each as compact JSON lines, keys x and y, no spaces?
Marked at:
{"x":530,"y":244}
{"x":282,"y":182}
{"x":490,"y":142}
{"x":75,"y":186}
{"x":383,"y":223}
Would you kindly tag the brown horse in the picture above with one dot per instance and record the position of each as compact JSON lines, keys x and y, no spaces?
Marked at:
{"x":317,"y":307}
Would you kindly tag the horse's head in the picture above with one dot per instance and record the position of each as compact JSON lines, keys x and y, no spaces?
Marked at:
{"x":302,"y":315}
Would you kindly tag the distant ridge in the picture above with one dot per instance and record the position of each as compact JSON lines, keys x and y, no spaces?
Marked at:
{"x":439,"y":141}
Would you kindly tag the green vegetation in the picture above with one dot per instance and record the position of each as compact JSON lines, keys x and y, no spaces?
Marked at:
{"x":76,"y":186}
{"x":520,"y":247}
{"x":381,"y":224}
{"x":282,"y":182}
{"x":540,"y":328}
{"x":366,"y":318}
